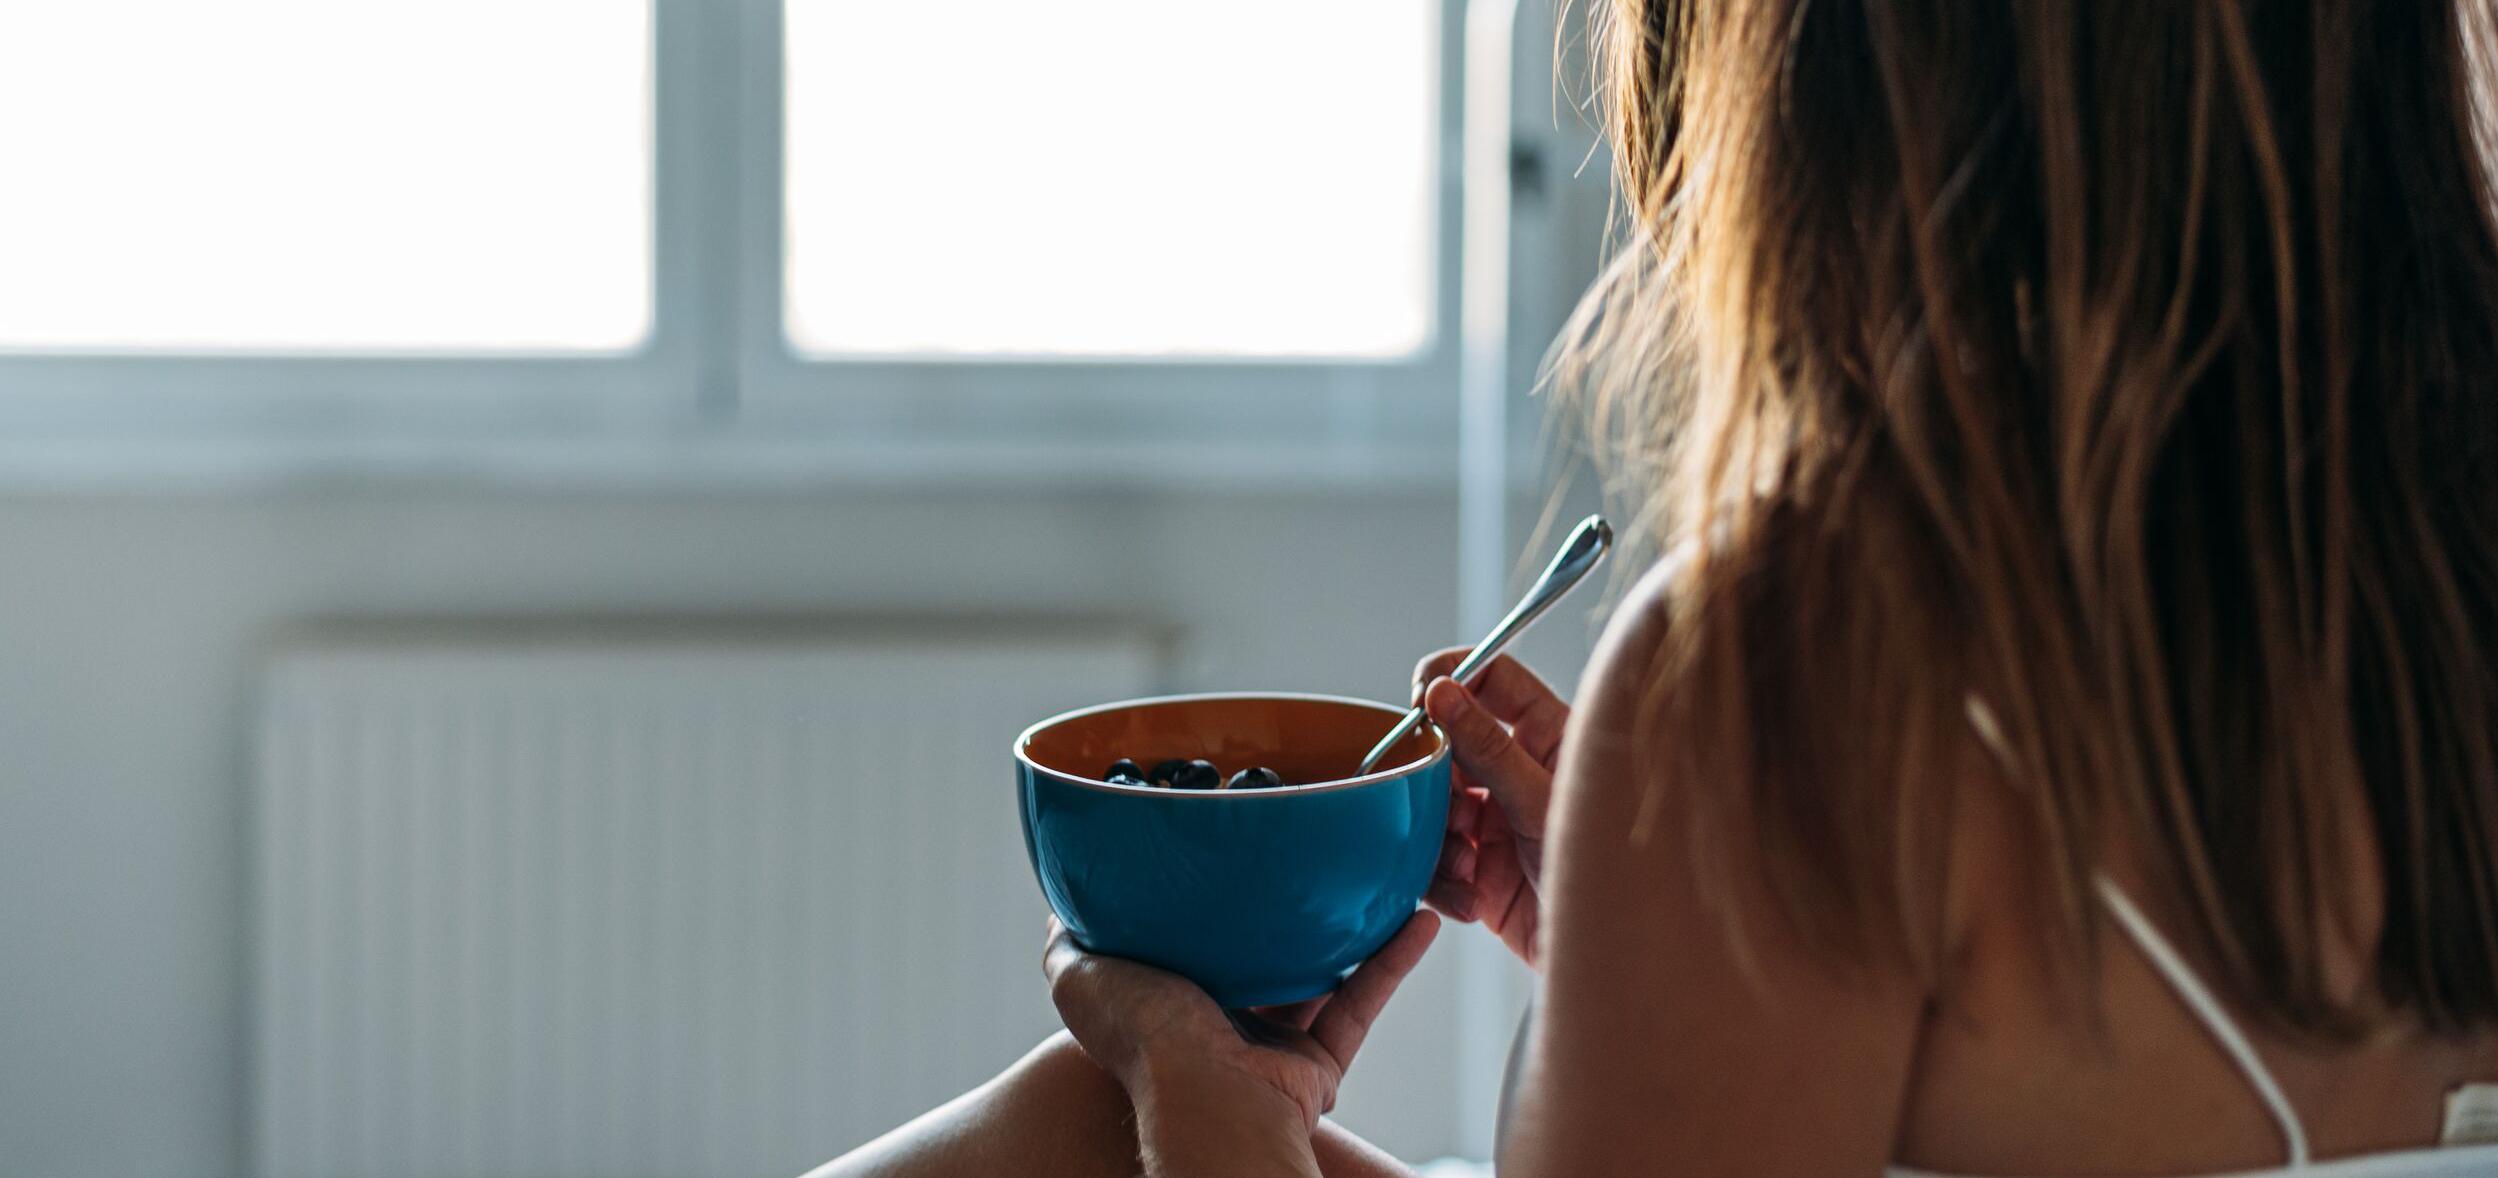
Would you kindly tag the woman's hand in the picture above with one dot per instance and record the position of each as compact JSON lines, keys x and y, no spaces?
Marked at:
{"x":1505,"y":734}
{"x":1185,"y":1061}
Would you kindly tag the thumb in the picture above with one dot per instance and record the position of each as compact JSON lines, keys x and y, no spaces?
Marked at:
{"x":1491,"y":757}
{"x":1346,"y":1019}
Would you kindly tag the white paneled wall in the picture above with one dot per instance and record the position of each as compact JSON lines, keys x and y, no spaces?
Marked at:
{"x":642,"y":905}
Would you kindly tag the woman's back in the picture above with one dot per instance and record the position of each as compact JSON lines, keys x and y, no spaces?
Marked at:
{"x":1684,"y":1014}
{"x":2009,"y":1082}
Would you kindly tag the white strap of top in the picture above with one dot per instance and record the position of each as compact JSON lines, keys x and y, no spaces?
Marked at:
{"x":2207,"y":1010}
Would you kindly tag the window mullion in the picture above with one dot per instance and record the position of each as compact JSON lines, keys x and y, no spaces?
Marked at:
{"x":700,"y":105}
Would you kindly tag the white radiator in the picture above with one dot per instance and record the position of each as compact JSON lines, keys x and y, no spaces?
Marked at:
{"x":619,"y":907}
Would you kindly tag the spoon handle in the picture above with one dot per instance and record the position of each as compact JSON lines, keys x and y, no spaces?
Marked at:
{"x":1578,"y":556}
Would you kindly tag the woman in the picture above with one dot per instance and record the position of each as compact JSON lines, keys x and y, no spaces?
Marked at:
{"x":2075,"y":748}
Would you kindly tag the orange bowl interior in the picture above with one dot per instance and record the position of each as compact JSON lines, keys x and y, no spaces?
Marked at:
{"x":1307,"y":741}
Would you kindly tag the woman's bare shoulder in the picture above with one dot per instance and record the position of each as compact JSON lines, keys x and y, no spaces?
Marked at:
{"x":1644,"y":964}
{"x":1633,"y":640}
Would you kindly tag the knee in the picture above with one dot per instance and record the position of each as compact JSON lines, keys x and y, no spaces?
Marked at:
{"x":1056,"y":1094}
{"x":1058,"y":1069}
{"x":1052,"y":1112}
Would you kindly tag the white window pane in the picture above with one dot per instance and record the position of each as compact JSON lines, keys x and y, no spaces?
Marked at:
{"x":1111,"y":177}
{"x":325,"y":175}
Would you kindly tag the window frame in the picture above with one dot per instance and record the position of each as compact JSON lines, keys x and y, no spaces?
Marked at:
{"x":717,"y":374}
{"x":156,"y":397}
{"x":1335,"y":403}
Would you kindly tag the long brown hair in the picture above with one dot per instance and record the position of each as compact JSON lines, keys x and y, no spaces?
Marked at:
{"x":2116,"y":380}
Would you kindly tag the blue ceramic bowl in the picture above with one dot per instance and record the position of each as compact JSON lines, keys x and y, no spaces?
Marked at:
{"x":1260,"y":896}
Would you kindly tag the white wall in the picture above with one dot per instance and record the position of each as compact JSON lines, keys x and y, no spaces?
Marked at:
{"x":128,"y":633}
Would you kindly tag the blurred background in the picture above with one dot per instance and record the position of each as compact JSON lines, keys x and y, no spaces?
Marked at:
{"x":527,"y":527}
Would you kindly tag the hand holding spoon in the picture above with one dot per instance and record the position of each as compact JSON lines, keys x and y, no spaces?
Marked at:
{"x":1578,"y":556}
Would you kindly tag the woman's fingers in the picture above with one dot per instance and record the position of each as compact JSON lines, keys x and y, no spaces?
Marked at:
{"x":1455,"y":899}
{"x":1297,"y":1015}
{"x":1345,"y":1021}
{"x":1435,"y":665}
{"x":1058,"y":953}
{"x":1457,"y":855}
{"x":1526,"y":703}
{"x":1517,"y":695}
{"x":1075,"y":980}
{"x":1121,"y":1011}
{"x":1507,"y":686}
{"x":1491,"y":757}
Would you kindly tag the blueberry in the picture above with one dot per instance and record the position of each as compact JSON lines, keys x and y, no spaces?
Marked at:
{"x":1259,"y":777}
{"x":1138,"y":782}
{"x":1123,"y":767}
{"x":1164,"y":771}
{"x":1197,"y":775}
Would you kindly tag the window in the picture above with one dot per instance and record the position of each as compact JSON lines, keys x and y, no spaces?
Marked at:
{"x":430,"y":229}
{"x":1110,"y":177}
{"x":317,"y":176}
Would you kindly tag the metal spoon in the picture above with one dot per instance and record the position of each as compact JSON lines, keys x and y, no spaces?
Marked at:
{"x":1580,"y":554}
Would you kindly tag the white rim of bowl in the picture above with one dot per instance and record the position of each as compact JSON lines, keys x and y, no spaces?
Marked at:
{"x":1023,"y":744}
